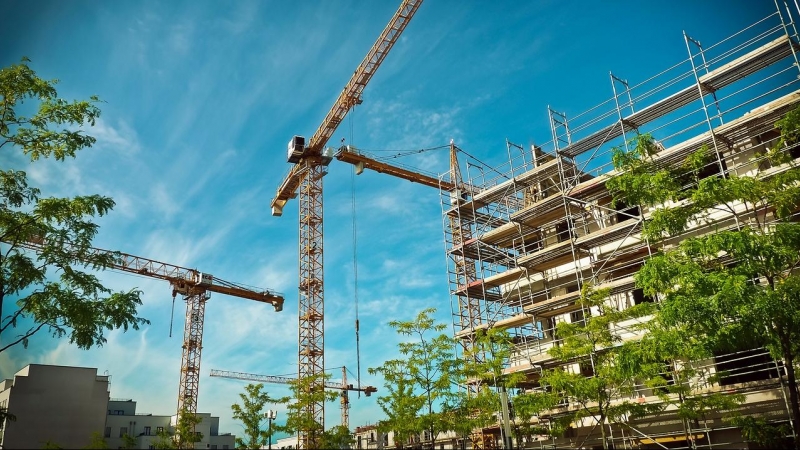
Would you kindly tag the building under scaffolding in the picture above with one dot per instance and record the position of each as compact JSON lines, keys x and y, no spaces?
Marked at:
{"x":522,"y":244}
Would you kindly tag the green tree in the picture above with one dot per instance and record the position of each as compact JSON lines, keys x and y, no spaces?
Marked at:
{"x":164,"y":441}
{"x":400,"y":404}
{"x":251,"y":414}
{"x":667,"y":356}
{"x":52,"y":290}
{"x":337,"y":437}
{"x":128,"y":441}
{"x":97,"y":442}
{"x":481,"y":374}
{"x":736,"y":285}
{"x":185,"y":434}
{"x":306,"y":392}
{"x":429,"y":363}
{"x":602,"y":369}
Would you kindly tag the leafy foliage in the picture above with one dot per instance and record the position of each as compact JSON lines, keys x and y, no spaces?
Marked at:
{"x":607,"y":368}
{"x":163,"y":441}
{"x":53,"y":290}
{"x":337,"y":437}
{"x":128,"y":441}
{"x":401,"y":404}
{"x":482,"y":369}
{"x":732,"y":284}
{"x":251,"y":414}
{"x":306,"y":392}
{"x":97,"y":442}
{"x":421,"y":381}
{"x":34,"y":134}
{"x":185,"y":435}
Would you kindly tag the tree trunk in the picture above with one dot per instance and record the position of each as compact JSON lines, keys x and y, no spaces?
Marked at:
{"x":602,"y":425}
{"x":794,"y":400}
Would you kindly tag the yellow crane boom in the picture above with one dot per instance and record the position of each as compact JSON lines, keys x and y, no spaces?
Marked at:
{"x":194,"y":286}
{"x":344,"y":387}
{"x":305,"y":178}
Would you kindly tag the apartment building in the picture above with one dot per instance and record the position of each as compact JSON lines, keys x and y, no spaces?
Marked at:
{"x":53,"y":404}
{"x":70,"y":407}
{"x":521,"y":243}
{"x":144,"y":428}
{"x":369,"y":437}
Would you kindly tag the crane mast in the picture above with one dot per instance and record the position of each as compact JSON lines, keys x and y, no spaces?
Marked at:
{"x":195,"y":287}
{"x":344,"y":387}
{"x":305,"y":177}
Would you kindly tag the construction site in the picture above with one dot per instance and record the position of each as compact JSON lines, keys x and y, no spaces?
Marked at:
{"x":524,"y":238}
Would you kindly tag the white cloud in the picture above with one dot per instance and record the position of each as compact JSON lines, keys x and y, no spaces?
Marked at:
{"x":121,"y":138}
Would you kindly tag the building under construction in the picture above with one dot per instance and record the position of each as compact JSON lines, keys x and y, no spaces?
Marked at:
{"x":528,"y":235}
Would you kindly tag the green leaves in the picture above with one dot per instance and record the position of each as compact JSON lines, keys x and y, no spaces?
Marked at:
{"x":35,"y":135}
{"x":54,"y":290}
{"x":251,"y":414}
{"x":421,"y":384}
{"x":733,"y":284}
{"x":306,"y":392}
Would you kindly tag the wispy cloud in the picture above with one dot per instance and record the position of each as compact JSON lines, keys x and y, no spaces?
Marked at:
{"x":121,"y":138}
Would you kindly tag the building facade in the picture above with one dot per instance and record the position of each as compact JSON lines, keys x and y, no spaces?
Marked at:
{"x":59,"y":405}
{"x":70,"y":407}
{"x":143,"y":429}
{"x":524,"y":239}
{"x":368,"y":437}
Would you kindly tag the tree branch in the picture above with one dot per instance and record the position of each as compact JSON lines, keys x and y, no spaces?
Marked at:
{"x":30,"y":333}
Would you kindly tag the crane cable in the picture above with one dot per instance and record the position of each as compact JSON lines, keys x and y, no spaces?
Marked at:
{"x":355,"y":258}
{"x":172,"y":314}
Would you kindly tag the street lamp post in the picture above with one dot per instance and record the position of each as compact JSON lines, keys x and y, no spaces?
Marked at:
{"x":270,"y":415}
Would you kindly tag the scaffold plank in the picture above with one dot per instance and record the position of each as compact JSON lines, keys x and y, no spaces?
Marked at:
{"x":502,"y":236}
{"x":588,"y":190}
{"x":505,"y":277}
{"x":761,"y":118}
{"x":720,"y":77}
{"x":514,"y":184}
{"x":544,"y":211}
{"x":617,"y":286}
{"x":554,"y":305}
{"x":478,"y":290}
{"x":549,"y":257}
{"x":608,"y":234}
{"x":749,"y":63}
{"x":514,"y":321}
{"x":479,"y":251}
{"x":470,"y":331}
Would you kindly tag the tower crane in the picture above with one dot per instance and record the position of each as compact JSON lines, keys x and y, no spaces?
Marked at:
{"x":469,"y":299}
{"x":470,"y":290}
{"x":195,"y":287}
{"x":344,"y":387}
{"x":310,"y":165}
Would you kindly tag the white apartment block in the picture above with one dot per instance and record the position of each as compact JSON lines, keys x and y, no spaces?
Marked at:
{"x":368,"y":437}
{"x":68,"y":406}
{"x":122,"y":419}
{"x":55,"y":404}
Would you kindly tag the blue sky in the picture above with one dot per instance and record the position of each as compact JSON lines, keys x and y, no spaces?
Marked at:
{"x":200,"y":99}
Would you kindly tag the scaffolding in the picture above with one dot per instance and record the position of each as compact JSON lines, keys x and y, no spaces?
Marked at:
{"x":533,"y":231}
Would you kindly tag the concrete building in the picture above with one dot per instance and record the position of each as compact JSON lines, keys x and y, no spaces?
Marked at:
{"x":368,"y":437}
{"x":290,"y":442}
{"x":68,"y":406}
{"x":144,"y":428}
{"x":55,"y":404}
{"x":524,"y":238}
